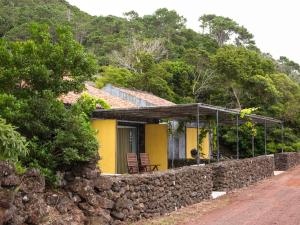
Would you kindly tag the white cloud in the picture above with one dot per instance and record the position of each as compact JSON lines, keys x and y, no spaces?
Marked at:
{"x":273,"y":23}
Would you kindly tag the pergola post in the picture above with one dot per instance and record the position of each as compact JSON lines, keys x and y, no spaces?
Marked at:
{"x":265,"y":137}
{"x":282,"y":137}
{"x":198,"y":147}
{"x":237,"y":138}
{"x":173,"y":145}
{"x":217,"y":134}
{"x":252,"y":141}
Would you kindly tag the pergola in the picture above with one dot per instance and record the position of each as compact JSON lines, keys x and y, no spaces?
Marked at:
{"x":196,"y":112}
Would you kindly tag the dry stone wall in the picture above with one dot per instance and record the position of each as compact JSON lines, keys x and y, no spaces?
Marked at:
{"x":234,"y":174}
{"x":85,"y":197}
{"x":286,"y":160}
{"x":148,"y":195}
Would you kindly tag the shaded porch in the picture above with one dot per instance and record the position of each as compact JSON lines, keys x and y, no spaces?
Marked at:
{"x":146,"y":129}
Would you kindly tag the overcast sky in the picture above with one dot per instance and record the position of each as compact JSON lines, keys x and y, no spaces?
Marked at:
{"x":274,"y":23}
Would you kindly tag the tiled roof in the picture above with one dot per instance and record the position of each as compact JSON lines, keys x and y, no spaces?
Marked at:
{"x":114,"y":101}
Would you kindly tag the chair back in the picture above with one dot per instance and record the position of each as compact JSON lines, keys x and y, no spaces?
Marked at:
{"x":144,"y":158}
{"x":132,"y":163}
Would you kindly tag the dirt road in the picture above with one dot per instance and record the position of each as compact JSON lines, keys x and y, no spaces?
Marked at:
{"x":274,"y":201}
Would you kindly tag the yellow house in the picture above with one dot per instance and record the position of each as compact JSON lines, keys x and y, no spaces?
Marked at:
{"x":118,"y":138}
{"x":126,"y":129}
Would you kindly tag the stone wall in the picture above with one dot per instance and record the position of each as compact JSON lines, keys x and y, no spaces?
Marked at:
{"x":148,"y":195}
{"x":85,"y":197}
{"x":234,"y":174}
{"x":286,"y":160}
{"x":24,"y":199}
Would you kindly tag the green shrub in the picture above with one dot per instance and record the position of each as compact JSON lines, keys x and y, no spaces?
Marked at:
{"x":12,"y":143}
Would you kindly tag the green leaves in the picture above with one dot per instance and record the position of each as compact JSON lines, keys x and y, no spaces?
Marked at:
{"x":87,"y":104}
{"x":33,"y":74}
{"x":114,"y":75}
{"x":12,"y":144}
{"x":56,"y":63}
{"x":224,"y":29}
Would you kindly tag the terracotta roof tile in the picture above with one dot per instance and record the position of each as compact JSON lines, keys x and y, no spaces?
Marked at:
{"x":113,"y":101}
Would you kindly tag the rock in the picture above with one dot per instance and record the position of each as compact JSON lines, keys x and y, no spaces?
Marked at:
{"x":65,"y":205}
{"x":86,"y":170}
{"x":103,"y":183}
{"x":118,"y":215}
{"x":10,"y":181}
{"x":105,"y":203}
{"x":117,"y":222}
{"x":69,"y":176}
{"x":88,"y":198}
{"x":6,"y":169}
{"x":7,"y":175}
{"x":76,"y":198}
{"x":86,"y":208}
{"x":52,"y":199}
{"x":32,"y":182}
{"x":234,"y":174}
{"x":123,"y":203}
{"x":37,"y":210}
{"x":97,"y":220}
{"x":286,"y":160}
{"x":81,"y":186}
{"x":25,"y":199}
{"x":56,"y":218}
{"x":6,"y":198}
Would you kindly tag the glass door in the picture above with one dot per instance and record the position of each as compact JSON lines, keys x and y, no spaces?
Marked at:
{"x":126,"y":143}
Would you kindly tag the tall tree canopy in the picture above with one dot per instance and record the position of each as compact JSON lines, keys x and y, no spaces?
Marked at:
{"x":224,"y":30}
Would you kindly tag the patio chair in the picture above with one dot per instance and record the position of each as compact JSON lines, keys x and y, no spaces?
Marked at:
{"x":145,"y":165}
{"x":132,"y":163}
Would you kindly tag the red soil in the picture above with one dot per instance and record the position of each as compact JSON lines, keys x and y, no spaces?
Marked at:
{"x":273,"y":201}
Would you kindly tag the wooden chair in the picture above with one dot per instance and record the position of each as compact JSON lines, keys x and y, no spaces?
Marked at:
{"x":145,"y":165}
{"x":132,"y":163}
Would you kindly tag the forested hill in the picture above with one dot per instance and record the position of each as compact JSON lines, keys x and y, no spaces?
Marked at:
{"x":158,"y":53}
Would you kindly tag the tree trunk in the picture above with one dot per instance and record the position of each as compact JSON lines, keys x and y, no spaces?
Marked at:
{"x":237,"y":98}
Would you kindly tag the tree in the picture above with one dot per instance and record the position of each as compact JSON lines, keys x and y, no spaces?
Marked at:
{"x":131,"y":57}
{"x":163,"y":23}
{"x":237,"y":68}
{"x":181,"y":78}
{"x":142,"y":58}
{"x":33,"y":74}
{"x":289,"y":67}
{"x":121,"y":77}
{"x":224,"y":29}
{"x":55,"y":63}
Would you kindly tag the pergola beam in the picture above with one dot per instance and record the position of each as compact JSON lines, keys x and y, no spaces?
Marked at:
{"x":183,"y":111}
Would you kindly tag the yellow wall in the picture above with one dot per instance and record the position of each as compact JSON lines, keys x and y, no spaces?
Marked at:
{"x":156,"y":144}
{"x":191,"y":142}
{"x":107,"y":138}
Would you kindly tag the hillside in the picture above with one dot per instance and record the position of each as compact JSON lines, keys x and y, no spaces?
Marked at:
{"x":100,"y":35}
{"x":159,"y":54}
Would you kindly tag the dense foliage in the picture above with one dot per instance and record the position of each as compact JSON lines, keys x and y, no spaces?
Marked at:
{"x":33,"y":73}
{"x":156,"y":53}
{"x":12,"y":144}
